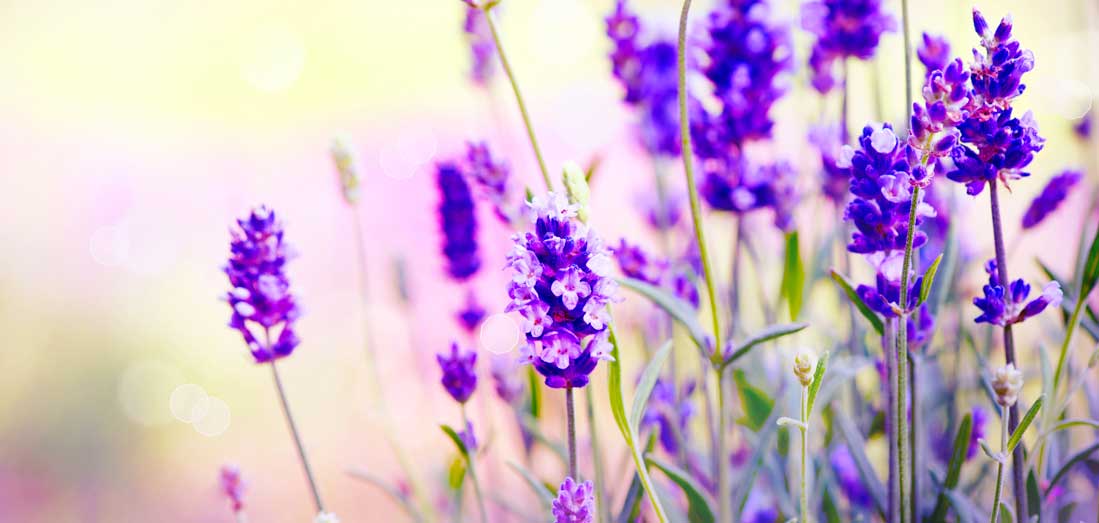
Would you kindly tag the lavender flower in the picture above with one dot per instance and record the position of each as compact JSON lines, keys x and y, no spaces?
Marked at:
{"x":980,"y":420}
{"x":561,"y":286}
{"x":459,"y":372}
{"x":1082,"y":128}
{"x":661,"y":216}
{"x":759,"y":508}
{"x":933,"y":52}
{"x":481,"y":46}
{"x":471,"y":315}
{"x":492,"y":176}
{"x":739,"y":187}
{"x":1050,"y":198}
{"x":232,"y":485}
{"x":834,"y":179}
{"x":847,"y":474}
{"x":458,"y":221}
{"x":670,"y":411}
{"x":575,"y":502}
{"x":844,"y":28}
{"x":508,"y":384}
{"x":260,"y":296}
{"x":468,"y":437}
{"x":1005,"y":306}
{"x":635,"y":263}
{"x":933,"y":126}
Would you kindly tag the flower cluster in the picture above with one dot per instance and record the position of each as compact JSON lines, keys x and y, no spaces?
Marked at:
{"x":1004,"y":306}
{"x":933,"y":52}
{"x":260,"y":295}
{"x":844,"y":28}
{"x":575,"y":502}
{"x":459,"y":372}
{"x":933,"y":126}
{"x":635,"y":263}
{"x":561,"y":286}
{"x":481,"y":46}
{"x":670,"y":411}
{"x":492,"y":175}
{"x":647,"y":72}
{"x":749,"y":56}
{"x":736,"y":185}
{"x":458,"y":221}
{"x":1051,"y":197}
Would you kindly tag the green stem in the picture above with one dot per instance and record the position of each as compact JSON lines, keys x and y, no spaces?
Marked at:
{"x":907,"y":64}
{"x":805,"y":455}
{"x":1000,"y":466}
{"x":473,"y":471}
{"x":518,"y":94}
{"x":297,"y":439}
{"x":901,"y":439}
{"x":1073,"y":321}
{"x":722,"y":470}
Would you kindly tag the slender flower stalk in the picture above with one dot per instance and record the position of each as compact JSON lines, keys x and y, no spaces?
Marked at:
{"x":1006,"y":384}
{"x":803,"y":369}
{"x":473,"y":469}
{"x":518,"y":94}
{"x":297,"y":439}
{"x":570,"y":417}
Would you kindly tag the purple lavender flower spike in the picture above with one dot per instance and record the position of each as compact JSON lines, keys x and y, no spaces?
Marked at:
{"x":980,"y":419}
{"x":260,"y":296}
{"x":1082,"y":128}
{"x":575,"y":502}
{"x":468,"y":437}
{"x":1006,"y":306}
{"x":933,"y":52}
{"x":635,"y":263}
{"x":834,"y":179}
{"x":844,"y":28}
{"x":492,"y":176}
{"x":739,"y":187}
{"x":232,"y":486}
{"x":459,"y":372}
{"x":670,"y":411}
{"x":481,"y":46}
{"x":471,"y":315}
{"x":458,"y":221}
{"x":561,"y":285}
{"x":847,"y":474}
{"x":1051,"y":197}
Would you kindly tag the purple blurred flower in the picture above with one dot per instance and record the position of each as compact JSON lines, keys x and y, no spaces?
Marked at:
{"x":260,"y":296}
{"x":670,"y":411}
{"x":1082,"y":128}
{"x":481,"y":46}
{"x":508,"y":383}
{"x":492,"y":175}
{"x":1005,"y":306}
{"x":459,"y":372}
{"x":635,"y":263}
{"x":575,"y":502}
{"x":739,"y":187}
{"x":834,"y":179}
{"x":471,"y":315}
{"x":759,"y":508}
{"x":1051,"y":197}
{"x":468,"y":437}
{"x":886,"y":293}
{"x":232,"y":486}
{"x":844,"y":28}
{"x":847,"y":474}
{"x":660,"y":217}
{"x":561,"y":285}
{"x":980,"y":419}
{"x":458,"y":221}
{"x":933,"y":52}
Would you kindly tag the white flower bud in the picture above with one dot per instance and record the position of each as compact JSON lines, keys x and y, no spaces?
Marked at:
{"x":1006,"y":383}
{"x":803,"y":368}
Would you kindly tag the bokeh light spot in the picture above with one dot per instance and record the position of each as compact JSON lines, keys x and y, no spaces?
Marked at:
{"x":145,"y":388}
{"x":189,"y":403}
{"x":499,"y":334}
{"x":217,"y":418}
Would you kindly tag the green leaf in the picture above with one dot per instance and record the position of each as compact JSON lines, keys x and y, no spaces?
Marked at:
{"x":1064,"y":515}
{"x":828,"y":504}
{"x":1005,"y":514}
{"x":680,"y":310}
{"x":954,"y":467}
{"x":863,"y":308}
{"x":699,"y":506}
{"x":614,"y":381}
{"x":747,"y":479}
{"x":774,"y":331}
{"x":818,"y":378}
{"x":963,"y":507}
{"x":545,"y":496}
{"x":1017,"y":436}
{"x":535,"y":393}
{"x":453,"y":435}
{"x":757,"y":404}
{"x":1033,"y":495}
{"x":929,"y":279}
{"x":645,"y":386}
{"x":456,"y":474}
{"x":1091,"y":268}
{"x":793,"y":275}
{"x":1076,"y":458}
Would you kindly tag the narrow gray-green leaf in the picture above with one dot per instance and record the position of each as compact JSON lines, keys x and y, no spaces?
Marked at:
{"x":953,"y":468}
{"x":453,"y":435}
{"x":762,"y":447}
{"x":863,"y":308}
{"x":645,"y":386}
{"x":545,"y":496}
{"x":631,"y":505}
{"x":793,"y":275}
{"x":1067,"y":466}
{"x":614,"y":387}
{"x":757,"y":404}
{"x":699,"y":506}
{"x":818,"y":378}
{"x":679,"y":310}
{"x":1017,"y":436}
{"x":965,"y":509}
{"x":929,"y":278}
{"x":1091,"y":268}
{"x":774,"y":331}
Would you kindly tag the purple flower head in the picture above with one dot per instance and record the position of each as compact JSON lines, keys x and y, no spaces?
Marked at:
{"x":1082,"y":128}
{"x":759,"y":507}
{"x":921,"y":326}
{"x":933,"y":52}
{"x":980,"y":419}
{"x":847,"y":474}
{"x":670,"y":411}
{"x":997,"y":73}
{"x":1005,"y":306}
{"x":481,"y":46}
{"x":468,"y":437}
{"x":933,"y":126}
{"x":459,"y":372}
{"x":458,"y":221}
{"x":883,"y":297}
{"x":575,"y":502}
{"x":232,"y":486}
{"x":260,"y":295}
{"x":561,"y":286}
{"x":635,"y":263}
{"x":658,"y":216}
{"x":492,"y":176}
{"x":471,"y":315}
{"x":844,"y":28}
{"x":1050,"y":198}
{"x":507,"y":382}
{"x":739,"y":187}
{"x":749,"y":56}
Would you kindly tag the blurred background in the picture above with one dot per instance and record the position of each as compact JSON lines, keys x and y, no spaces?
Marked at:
{"x":133,"y":133}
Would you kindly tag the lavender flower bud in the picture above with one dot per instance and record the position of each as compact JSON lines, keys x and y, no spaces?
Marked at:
{"x":1006,"y":383}
{"x":481,"y":46}
{"x":575,"y":502}
{"x":576,"y":185}
{"x":1007,"y":305}
{"x":232,"y":486}
{"x":260,"y":296}
{"x":844,"y":28}
{"x":933,"y":52}
{"x":508,"y":383}
{"x":459,"y":372}
{"x":458,"y":221}
{"x":492,"y":175}
{"x":1050,"y":198}
{"x":803,"y":368}
{"x":345,"y":167}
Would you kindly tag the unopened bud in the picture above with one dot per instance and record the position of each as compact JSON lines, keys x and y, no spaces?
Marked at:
{"x":803,"y":368}
{"x":576,"y":184}
{"x":1006,"y":383}
{"x":345,"y":167}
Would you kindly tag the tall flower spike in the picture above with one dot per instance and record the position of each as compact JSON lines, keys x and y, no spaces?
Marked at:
{"x":458,"y":221}
{"x":260,"y":295}
{"x":575,"y":502}
{"x":561,"y":286}
{"x":459,"y":372}
{"x":492,"y":175}
{"x":481,"y":47}
{"x":735,"y":185}
{"x":1006,"y":383}
{"x":849,"y":478}
{"x":232,"y":486}
{"x":1007,"y":305}
{"x":1051,"y":197}
{"x":844,"y":28}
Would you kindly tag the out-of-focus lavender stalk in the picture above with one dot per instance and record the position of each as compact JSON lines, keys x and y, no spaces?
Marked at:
{"x":518,"y":94}
{"x":473,"y":469}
